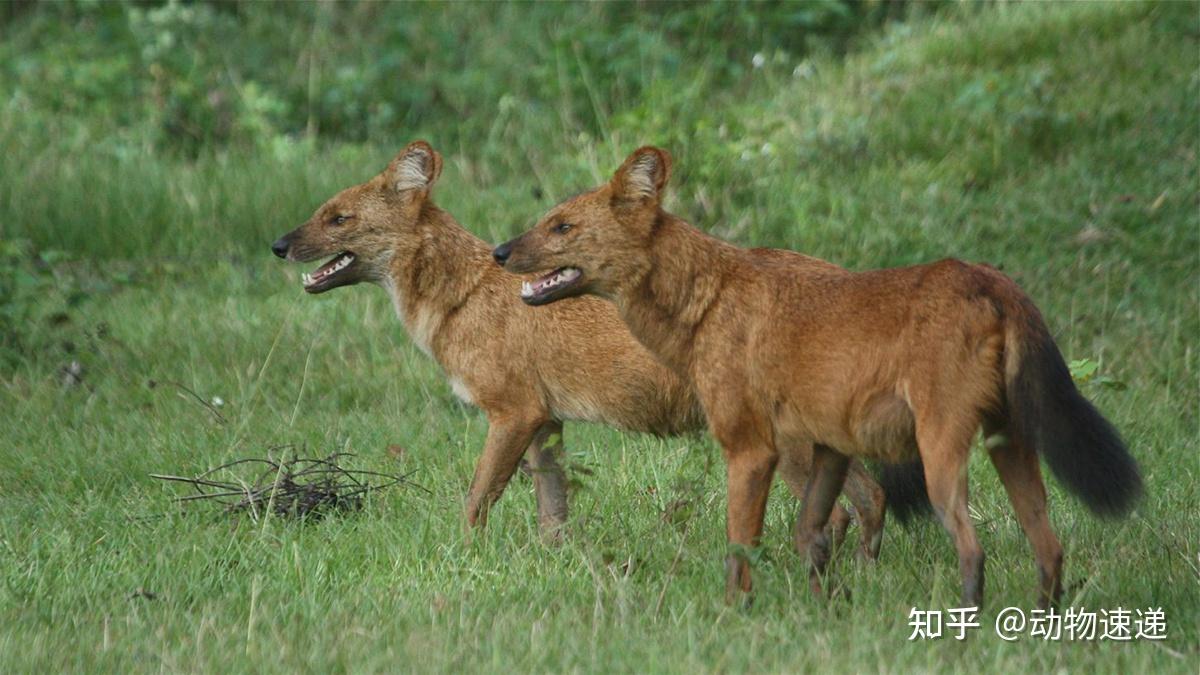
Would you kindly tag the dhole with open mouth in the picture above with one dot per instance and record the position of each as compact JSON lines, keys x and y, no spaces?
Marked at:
{"x":787,"y":351}
{"x":527,"y":369}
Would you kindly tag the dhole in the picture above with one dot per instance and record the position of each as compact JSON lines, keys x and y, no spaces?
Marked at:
{"x":787,"y":351}
{"x":527,"y":369}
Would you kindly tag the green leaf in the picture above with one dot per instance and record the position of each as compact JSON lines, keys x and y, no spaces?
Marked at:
{"x":1082,"y":370}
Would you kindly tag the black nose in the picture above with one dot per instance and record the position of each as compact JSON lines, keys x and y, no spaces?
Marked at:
{"x":501,"y":253}
{"x":280,"y":247}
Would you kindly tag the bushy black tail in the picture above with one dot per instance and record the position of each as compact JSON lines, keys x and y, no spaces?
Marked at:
{"x":904,"y":488}
{"x":1047,"y":413}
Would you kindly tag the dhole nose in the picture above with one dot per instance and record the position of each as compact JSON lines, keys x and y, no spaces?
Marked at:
{"x":280,"y":247}
{"x":501,"y":253}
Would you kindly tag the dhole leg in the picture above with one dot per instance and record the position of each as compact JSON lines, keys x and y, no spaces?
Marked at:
{"x":835,"y":529}
{"x":793,"y":468}
{"x":1022,"y":479}
{"x":549,"y":481}
{"x":750,"y":471}
{"x":944,"y":449}
{"x":870,"y":503}
{"x":824,"y":485}
{"x":507,"y":439}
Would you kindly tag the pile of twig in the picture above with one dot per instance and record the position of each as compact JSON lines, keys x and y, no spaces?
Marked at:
{"x":297,"y":487}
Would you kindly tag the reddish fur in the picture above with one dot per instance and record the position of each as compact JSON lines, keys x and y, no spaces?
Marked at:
{"x":527,"y":369}
{"x":787,"y":352}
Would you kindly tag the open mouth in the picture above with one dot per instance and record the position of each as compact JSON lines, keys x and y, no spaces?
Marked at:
{"x":336,"y":272}
{"x":552,"y":286}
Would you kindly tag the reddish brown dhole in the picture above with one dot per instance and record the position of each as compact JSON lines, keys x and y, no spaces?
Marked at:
{"x":527,"y":369}
{"x":788,"y":352}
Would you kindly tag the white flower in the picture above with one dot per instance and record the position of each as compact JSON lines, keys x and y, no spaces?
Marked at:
{"x":759,"y":60}
{"x":217,"y":401}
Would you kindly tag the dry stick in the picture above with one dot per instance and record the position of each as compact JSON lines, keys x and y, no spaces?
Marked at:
{"x":284,"y":489}
{"x":193,"y":481}
{"x":211,"y":495}
{"x":211,"y":408}
{"x":331,"y":466}
{"x":251,"y":460}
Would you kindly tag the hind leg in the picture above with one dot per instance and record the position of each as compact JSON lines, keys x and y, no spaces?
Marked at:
{"x":944,"y":446}
{"x":549,"y":481}
{"x":869,"y":501}
{"x":824,"y":485}
{"x":794,"y":468}
{"x":1022,"y":478}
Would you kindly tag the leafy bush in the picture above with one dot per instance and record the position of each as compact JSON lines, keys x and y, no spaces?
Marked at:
{"x":196,"y":75}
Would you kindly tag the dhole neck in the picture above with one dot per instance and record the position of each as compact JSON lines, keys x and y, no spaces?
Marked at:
{"x":435,"y":267}
{"x":442,"y":256}
{"x":669,"y":303}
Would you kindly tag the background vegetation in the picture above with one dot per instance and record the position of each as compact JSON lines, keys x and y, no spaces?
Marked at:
{"x":151,"y":152}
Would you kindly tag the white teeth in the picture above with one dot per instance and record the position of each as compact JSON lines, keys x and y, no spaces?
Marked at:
{"x":342,"y":263}
{"x":566,"y":275}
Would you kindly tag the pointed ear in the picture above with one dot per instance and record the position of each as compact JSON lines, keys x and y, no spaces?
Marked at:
{"x":417,"y":167}
{"x":643,"y":175}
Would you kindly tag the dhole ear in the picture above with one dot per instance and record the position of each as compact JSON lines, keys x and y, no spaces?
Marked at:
{"x":643,"y":175}
{"x":417,"y":167}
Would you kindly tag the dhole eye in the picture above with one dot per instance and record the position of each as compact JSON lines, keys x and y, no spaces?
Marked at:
{"x":338,"y":220}
{"x":563,"y":228}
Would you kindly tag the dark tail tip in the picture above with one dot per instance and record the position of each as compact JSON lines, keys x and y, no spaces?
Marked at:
{"x":904,"y":487}
{"x":1090,"y":459}
{"x":1082,"y":448}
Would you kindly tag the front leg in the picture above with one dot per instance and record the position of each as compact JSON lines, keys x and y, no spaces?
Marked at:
{"x":549,"y":481}
{"x":750,"y":471}
{"x":747,"y":442}
{"x":507,"y":439}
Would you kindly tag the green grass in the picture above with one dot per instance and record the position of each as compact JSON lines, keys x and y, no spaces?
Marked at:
{"x":1057,"y":142}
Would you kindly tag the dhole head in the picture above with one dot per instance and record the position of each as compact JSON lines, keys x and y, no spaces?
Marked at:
{"x":595,"y":242}
{"x":358,"y":229}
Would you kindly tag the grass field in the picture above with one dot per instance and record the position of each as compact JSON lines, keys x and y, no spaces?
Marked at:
{"x":1057,"y":142}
